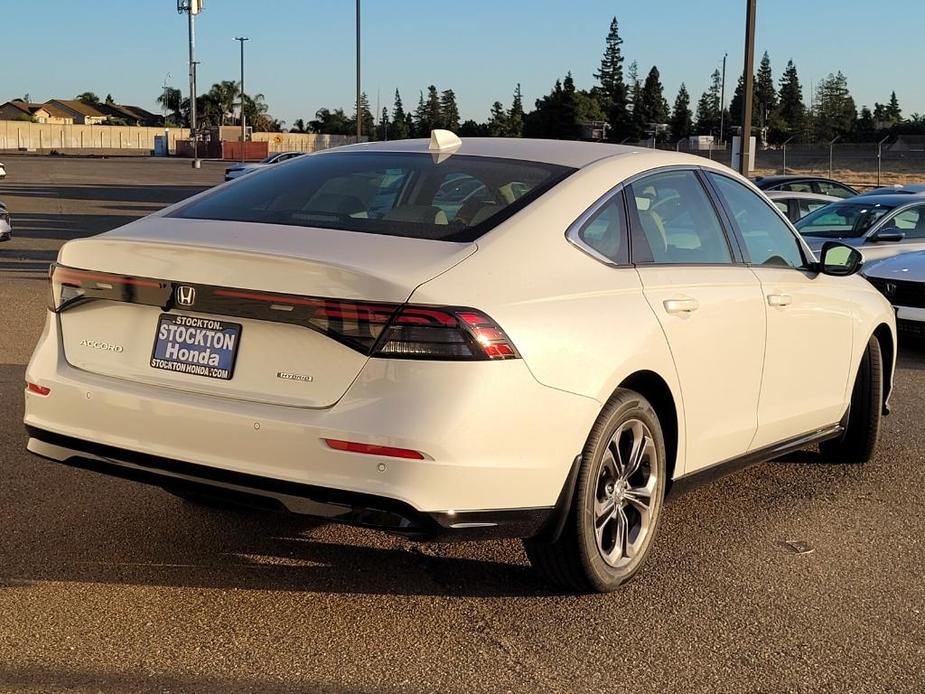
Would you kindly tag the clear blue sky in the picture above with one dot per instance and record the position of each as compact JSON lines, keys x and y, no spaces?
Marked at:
{"x":301,"y":53}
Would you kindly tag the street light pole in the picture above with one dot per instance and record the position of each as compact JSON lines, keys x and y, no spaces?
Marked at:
{"x":784,"y":147}
{"x":722,"y":100}
{"x":831,"y":150}
{"x":880,"y":158}
{"x":745,"y":151}
{"x":192,"y":8}
{"x":241,"y":40}
{"x":359,"y":110}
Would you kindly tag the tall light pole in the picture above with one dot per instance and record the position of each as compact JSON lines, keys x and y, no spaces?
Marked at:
{"x":241,"y":40}
{"x":166,"y":130}
{"x":722,"y":99}
{"x":359,"y":111}
{"x":746,"y":148}
{"x":192,"y":8}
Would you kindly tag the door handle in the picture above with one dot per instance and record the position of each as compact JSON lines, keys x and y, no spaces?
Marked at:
{"x":685,"y":305}
{"x":779,"y":299}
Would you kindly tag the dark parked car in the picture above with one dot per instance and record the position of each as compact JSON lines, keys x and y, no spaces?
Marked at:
{"x":796,"y":183}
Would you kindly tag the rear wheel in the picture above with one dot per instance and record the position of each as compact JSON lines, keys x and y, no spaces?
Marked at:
{"x":858,"y":442}
{"x":617,"y":502}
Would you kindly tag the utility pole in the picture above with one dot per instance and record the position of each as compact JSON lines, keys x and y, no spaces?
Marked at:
{"x":192,"y":8}
{"x":722,"y":100}
{"x":359,"y":111}
{"x":241,"y":40}
{"x":746,"y":148}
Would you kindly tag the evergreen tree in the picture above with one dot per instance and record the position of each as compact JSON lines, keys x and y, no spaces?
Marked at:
{"x":612,"y":91}
{"x":610,"y":74}
{"x":791,"y":110}
{"x":497,"y":122}
{"x":893,"y":113}
{"x":449,"y":111}
{"x":708,"y":108}
{"x":515,"y":115}
{"x":383,"y":131}
{"x":835,"y":112}
{"x":653,"y":107}
{"x":367,"y":123}
{"x":681,"y":117}
{"x":399,"y":126}
{"x":433,"y":118}
{"x":420,"y":128}
{"x":555,"y":115}
{"x":636,"y":125}
{"x":765,"y":93}
{"x":865,"y":129}
{"x":470,"y":128}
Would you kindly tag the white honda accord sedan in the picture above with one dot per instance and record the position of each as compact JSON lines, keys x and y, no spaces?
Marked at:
{"x":462,"y":339}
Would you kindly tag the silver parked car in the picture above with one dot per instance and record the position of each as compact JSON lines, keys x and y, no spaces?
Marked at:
{"x":877,"y":225}
{"x":233,"y":172}
{"x":797,"y":205}
{"x":901,"y":279}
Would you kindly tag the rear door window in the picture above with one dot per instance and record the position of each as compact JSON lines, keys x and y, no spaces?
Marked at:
{"x":673,"y":221}
{"x":833,"y":189}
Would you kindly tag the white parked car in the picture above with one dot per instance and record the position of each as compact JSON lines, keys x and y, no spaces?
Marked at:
{"x":233,"y":172}
{"x":2,"y":170}
{"x":6,"y":225}
{"x":543,"y":354}
{"x":795,"y":206}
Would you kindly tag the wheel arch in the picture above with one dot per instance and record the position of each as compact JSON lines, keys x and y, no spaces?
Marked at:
{"x":887,"y":340}
{"x":656,"y":390}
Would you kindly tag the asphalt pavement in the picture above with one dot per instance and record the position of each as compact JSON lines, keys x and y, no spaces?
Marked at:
{"x":110,"y":586}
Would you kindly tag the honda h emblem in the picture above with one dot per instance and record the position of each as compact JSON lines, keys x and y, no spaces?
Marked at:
{"x":186,"y":296}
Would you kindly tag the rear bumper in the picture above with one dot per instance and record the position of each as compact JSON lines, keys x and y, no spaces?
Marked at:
{"x":495,"y":440}
{"x":353,"y":508}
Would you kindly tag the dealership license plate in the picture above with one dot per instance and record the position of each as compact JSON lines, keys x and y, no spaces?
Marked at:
{"x":198,"y":346}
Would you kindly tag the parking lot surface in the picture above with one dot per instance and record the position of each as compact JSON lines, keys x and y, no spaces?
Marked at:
{"x":111,"y":586}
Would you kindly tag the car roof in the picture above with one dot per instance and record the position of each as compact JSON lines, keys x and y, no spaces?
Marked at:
{"x":892,"y":199}
{"x":789,"y":178}
{"x":800,"y":195}
{"x":576,"y":154}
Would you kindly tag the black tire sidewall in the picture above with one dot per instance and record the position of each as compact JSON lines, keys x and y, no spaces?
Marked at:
{"x":625,"y":405}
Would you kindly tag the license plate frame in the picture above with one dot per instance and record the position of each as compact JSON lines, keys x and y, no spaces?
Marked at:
{"x":205,"y":340}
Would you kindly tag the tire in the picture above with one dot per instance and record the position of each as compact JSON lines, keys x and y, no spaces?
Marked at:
{"x":599,"y":550}
{"x":858,"y":442}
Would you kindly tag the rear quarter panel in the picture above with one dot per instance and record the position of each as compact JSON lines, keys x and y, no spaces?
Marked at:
{"x":580,"y":325}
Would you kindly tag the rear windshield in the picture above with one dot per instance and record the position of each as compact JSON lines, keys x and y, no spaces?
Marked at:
{"x":391,"y":193}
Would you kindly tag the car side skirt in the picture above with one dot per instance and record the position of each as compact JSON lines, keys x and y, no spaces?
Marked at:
{"x":255,"y":491}
{"x":682,"y":485}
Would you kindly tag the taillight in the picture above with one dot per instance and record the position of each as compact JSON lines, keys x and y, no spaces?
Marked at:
{"x":70,"y":286}
{"x":426,"y":332}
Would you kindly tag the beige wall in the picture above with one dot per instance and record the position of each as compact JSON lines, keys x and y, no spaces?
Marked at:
{"x":16,"y":135}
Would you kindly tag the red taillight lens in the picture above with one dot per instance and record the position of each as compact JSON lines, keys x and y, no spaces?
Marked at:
{"x":369,"y":449}
{"x":37,"y":389}
{"x":425,"y":332}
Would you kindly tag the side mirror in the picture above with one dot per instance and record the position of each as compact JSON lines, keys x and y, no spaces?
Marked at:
{"x":839,"y":260}
{"x":890,"y":234}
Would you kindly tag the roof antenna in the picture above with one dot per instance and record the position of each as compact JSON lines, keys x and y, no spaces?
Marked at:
{"x":443,"y":144}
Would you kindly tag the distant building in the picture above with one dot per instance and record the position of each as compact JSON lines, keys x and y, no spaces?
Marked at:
{"x":82,"y":113}
{"x":17,"y":109}
{"x":71,"y":111}
{"x":129,"y":115}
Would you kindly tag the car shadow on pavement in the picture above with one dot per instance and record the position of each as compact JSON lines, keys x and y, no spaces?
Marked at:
{"x":46,"y":677}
